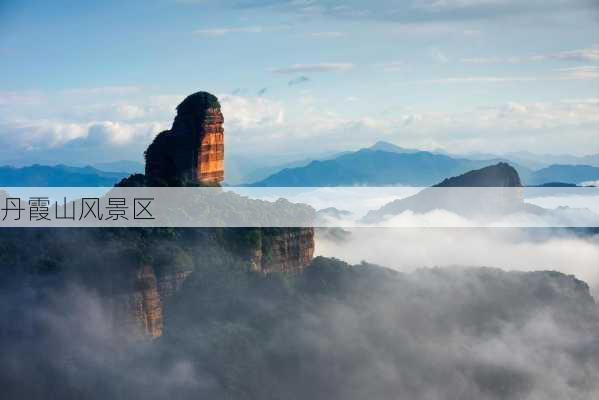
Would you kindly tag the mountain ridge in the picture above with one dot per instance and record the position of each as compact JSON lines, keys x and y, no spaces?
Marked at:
{"x":386,"y":164}
{"x":57,"y":175}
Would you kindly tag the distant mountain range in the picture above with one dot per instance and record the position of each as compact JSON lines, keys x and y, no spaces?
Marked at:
{"x":479,"y":203}
{"x":564,"y":173}
{"x":368,"y":167}
{"x":531,"y":160}
{"x":122,"y":166}
{"x":386,"y":164}
{"x":537,"y":161}
{"x":58,"y":175}
{"x":383,"y":164}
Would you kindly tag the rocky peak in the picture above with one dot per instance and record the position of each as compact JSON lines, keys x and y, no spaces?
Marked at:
{"x":498,"y":175}
{"x":484,"y":203}
{"x":193,"y":149}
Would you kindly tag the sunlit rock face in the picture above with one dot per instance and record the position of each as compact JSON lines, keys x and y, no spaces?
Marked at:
{"x":286,"y":250}
{"x":193,"y":149}
{"x":142,"y":305}
{"x":137,"y":306}
{"x":146,"y":303}
{"x":211,"y":151}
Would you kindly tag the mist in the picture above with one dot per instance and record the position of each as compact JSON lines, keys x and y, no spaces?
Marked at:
{"x":333,"y":331}
{"x":406,"y":249}
{"x":343,"y":332}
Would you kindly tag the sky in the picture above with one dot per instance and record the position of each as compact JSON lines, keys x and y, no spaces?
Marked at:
{"x":87,"y":82}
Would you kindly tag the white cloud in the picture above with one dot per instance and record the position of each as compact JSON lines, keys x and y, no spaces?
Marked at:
{"x":243,"y":113}
{"x":440,"y":5}
{"x":586,"y":72}
{"x":585,"y":55}
{"x":590,"y":72}
{"x":121,"y":134}
{"x":307,"y":68}
{"x":511,"y":249}
{"x":327,"y":35}
{"x":491,"y":60}
{"x":82,"y":124}
{"x":423,"y":29}
{"x":391,"y":66}
{"x":480,"y":79}
{"x":101,"y":91}
{"x":503,"y":127}
{"x":19,"y":135}
{"x":259,"y":125}
{"x":48,"y":134}
{"x":14,"y":98}
{"x":590,"y":54}
{"x":213,"y":32}
{"x":427,"y":10}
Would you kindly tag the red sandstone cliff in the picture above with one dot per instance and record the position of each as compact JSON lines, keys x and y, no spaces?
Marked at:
{"x":193,"y":149}
{"x":142,"y":307}
{"x":286,"y":250}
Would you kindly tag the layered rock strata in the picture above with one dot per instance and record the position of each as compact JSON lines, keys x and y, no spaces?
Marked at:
{"x":286,"y":250}
{"x":193,"y":149}
{"x":143,"y":306}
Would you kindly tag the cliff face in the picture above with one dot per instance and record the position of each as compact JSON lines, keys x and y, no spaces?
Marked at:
{"x":136,"y":271}
{"x":142,"y":308}
{"x":211,"y":151}
{"x":193,"y":149}
{"x":146,"y":304}
{"x":286,"y":250}
{"x":142,"y":303}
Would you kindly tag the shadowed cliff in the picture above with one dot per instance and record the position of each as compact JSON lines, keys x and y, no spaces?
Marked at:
{"x":193,"y":149}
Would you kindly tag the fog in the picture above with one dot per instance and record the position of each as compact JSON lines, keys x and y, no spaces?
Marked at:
{"x":433,"y":334}
{"x":507,"y":248}
{"x":333,"y":332}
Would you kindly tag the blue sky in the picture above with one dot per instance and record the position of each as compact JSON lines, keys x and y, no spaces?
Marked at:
{"x":90,"y":81}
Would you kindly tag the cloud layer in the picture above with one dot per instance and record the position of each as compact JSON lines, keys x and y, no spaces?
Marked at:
{"x":121,"y":122}
{"x":507,"y":248}
{"x":307,"y":68}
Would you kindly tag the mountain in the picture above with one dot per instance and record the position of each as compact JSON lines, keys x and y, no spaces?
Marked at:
{"x":137,"y":270}
{"x":252,"y":170}
{"x":131,"y":167}
{"x":533,"y":160}
{"x":248,"y":313}
{"x":369,"y":167}
{"x":350,"y":331}
{"x":194,"y":148}
{"x":500,"y":175}
{"x":260,"y":173}
{"x":543,"y":160}
{"x":385,"y":164}
{"x":473,"y":203}
{"x":57,"y":175}
{"x":390,"y":147}
{"x":573,"y":174}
